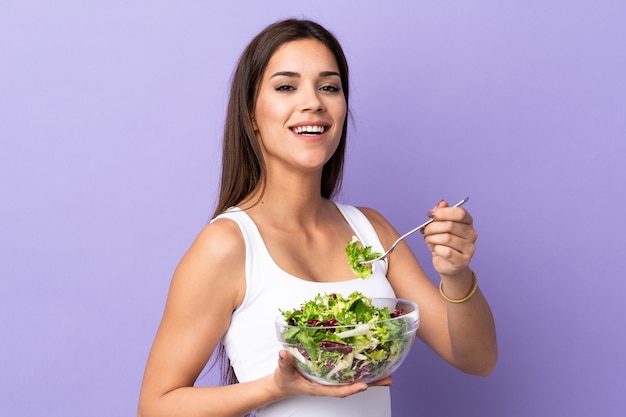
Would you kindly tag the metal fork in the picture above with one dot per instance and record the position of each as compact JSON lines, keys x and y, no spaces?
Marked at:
{"x":418,"y":228}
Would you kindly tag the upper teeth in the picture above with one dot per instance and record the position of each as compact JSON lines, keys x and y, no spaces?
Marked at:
{"x":309,"y":129}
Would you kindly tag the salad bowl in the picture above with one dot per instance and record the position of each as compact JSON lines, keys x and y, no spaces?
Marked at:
{"x":338,"y":340}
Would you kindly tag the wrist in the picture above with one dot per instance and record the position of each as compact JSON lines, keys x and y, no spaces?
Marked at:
{"x":273,"y":390}
{"x":460,"y":288}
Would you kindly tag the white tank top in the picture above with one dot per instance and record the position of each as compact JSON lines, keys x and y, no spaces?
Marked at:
{"x":251,"y":342}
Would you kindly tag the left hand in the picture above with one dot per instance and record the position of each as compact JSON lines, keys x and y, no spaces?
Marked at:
{"x":451,"y":238}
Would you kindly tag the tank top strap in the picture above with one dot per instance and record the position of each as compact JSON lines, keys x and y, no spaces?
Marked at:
{"x":257,"y":258}
{"x":248,"y":229}
{"x":363,"y":229}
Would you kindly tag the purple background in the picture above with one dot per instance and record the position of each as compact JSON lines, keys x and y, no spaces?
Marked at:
{"x":110,"y":121}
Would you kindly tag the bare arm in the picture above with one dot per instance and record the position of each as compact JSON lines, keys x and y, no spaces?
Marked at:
{"x":207,"y":286}
{"x":463,"y":334}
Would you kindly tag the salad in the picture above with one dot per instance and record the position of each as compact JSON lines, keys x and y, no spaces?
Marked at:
{"x":356,"y":254}
{"x":366,"y":346}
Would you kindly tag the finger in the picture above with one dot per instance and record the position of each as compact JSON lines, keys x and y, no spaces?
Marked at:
{"x":452,"y":258}
{"x":461,"y":230}
{"x":296,"y":381}
{"x":383,"y":382}
{"x":286,"y":372}
{"x":450,"y":253}
{"x":443,"y":211}
{"x":456,"y":255}
{"x":340,"y":390}
{"x":285,"y":360}
{"x":440,"y":204}
{"x":455,"y":214}
{"x":460,"y":244}
{"x":458,"y":237}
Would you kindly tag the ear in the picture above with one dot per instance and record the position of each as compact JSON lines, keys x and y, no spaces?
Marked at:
{"x":254,"y":126}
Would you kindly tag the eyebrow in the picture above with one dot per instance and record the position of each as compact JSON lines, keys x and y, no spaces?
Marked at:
{"x":297,"y":74}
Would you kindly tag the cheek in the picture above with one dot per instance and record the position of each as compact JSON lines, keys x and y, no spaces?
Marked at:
{"x":341,"y":115}
{"x":270,"y":116}
{"x":341,"y":111}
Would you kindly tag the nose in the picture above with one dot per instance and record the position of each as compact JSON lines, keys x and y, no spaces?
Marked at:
{"x":310,"y":101}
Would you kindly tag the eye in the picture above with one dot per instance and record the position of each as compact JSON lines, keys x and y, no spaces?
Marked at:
{"x":284,"y":87}
{"x":330,"y":88}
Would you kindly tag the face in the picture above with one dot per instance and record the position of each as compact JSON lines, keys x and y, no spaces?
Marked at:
{"x":300,"y":107}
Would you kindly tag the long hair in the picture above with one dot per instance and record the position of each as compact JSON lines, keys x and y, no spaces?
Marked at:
{"x":243,"y":167}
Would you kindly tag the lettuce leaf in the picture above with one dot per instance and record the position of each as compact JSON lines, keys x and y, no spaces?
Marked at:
{"x":356,"y":254}
{"x":367,"y":345}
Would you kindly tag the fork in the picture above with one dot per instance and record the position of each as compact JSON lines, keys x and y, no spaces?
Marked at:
{"x":418,"y":228}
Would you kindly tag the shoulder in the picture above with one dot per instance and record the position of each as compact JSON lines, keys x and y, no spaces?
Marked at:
{"x":221,"y":244}
{"x":376,"y":218}
{"x":371,"y":214}
{"x":217,"y":243}
{"x":384,"y":229}
{"x":222,"y":238}
{"x":215,"y":261}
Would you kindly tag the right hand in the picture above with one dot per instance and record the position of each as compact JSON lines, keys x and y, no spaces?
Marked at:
{"x":292,"y":382}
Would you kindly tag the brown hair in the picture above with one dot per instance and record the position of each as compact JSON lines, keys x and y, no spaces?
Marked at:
{"x":243,"y":167}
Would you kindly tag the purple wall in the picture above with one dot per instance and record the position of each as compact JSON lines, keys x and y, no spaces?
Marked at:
{"x":110,"y":119}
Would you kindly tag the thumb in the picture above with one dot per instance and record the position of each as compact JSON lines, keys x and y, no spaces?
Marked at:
{"x":285,"y":360}
{"x":440,"y":204}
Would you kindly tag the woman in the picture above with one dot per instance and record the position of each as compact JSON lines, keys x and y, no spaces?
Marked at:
{"x":283,"y":155}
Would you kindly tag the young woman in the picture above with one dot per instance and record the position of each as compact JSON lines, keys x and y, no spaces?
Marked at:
{"x":278,"y":239}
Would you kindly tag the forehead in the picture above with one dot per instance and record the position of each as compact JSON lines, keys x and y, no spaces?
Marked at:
{"x":302,"y":53}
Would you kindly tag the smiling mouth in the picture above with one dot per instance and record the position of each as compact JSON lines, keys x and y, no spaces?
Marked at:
{"x":309,"y":130}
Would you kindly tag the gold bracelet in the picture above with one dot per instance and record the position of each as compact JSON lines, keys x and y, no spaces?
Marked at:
{"x":467,"y":297}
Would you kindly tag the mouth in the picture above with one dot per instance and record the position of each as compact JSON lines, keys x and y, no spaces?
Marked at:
{"x":313,"y":130}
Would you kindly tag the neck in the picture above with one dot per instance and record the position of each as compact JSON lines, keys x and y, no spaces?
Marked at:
{"x":288,"y":200}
